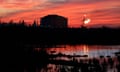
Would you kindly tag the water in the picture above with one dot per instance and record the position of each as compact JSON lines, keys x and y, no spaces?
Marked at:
{"x":78,"y":58}
{"x":90,"y":50}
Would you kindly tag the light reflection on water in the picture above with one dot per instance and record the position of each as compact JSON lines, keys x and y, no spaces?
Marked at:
{"x":90,"y":50}
{"x":68,"y":58}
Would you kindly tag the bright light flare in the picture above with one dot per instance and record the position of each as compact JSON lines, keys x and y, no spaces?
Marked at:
{"x":86,"y":21}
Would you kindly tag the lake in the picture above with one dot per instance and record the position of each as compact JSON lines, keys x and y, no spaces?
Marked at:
{"x":77,"y":58}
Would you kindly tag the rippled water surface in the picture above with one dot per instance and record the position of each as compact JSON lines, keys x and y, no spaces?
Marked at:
{"x":90,"y":50}
{"x":79,"y":58}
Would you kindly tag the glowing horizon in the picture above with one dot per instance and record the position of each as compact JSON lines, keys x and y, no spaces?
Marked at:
{"x":100,"y":13}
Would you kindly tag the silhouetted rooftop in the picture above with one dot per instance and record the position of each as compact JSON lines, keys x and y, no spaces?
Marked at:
{"x":53,"y":15}
{"x":54,"y":21}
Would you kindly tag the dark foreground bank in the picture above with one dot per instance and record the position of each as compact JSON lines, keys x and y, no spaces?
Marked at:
{"x":37,"y":35}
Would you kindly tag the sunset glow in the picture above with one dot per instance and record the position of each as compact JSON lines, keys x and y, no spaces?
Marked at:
{"x":87,"y":21}
{"x":102,"y":12}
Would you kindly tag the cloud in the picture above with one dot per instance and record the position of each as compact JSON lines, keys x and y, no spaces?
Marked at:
{"x":1,"y":1}
{"x":58,"y":1}
{"x":12,"y":6}
{"x":100,"y":12}
{"x":103,"y":15}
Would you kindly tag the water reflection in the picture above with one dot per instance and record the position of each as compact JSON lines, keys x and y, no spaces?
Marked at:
{"x":90,"y":50}
{"x":77,"y":58}
{"x":85,"y":50}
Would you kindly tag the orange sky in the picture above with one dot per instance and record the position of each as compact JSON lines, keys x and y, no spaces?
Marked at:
{"x":102,"y":12}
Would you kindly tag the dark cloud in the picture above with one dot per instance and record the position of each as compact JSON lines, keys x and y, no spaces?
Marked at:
{"x":58,"y":1}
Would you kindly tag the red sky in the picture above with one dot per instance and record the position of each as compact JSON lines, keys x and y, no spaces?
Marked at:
{"x":102,"y":12}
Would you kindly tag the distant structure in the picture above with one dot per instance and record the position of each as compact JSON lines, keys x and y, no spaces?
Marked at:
{"x":54,"y":21}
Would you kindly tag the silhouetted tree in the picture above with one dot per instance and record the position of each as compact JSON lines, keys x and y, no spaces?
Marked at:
{"x":11,"y":22}
{"x":0,"y":21}
{"x":34,"y":24}
{"x":22,"y":22}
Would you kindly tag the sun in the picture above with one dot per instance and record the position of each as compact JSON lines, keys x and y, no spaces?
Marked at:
{"x":86,"y":21}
